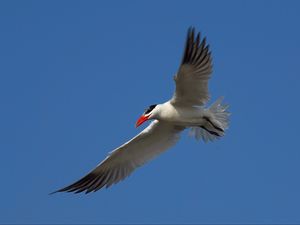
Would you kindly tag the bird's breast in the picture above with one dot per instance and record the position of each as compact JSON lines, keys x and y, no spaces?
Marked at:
{"x":186,"y":116}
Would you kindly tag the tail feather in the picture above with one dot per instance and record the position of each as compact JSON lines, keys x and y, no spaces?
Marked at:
{"x":200,"y":133}
{"x":220,"y":113}
{"x":220,"y":117}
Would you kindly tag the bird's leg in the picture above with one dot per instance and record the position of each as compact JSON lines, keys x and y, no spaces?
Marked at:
{"x":214,"y":126}
{"x":211,"y":132}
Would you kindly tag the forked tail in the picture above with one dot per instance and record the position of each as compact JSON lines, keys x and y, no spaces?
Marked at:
{"x":216,"y":125}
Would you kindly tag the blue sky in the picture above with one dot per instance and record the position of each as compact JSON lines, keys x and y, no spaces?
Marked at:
{"x":75,"y":76}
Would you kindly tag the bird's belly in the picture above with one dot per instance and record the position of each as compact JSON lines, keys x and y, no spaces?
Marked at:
{"x":184,"y":116}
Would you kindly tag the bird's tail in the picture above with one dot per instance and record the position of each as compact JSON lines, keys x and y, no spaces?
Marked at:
{"x":216,"y":124}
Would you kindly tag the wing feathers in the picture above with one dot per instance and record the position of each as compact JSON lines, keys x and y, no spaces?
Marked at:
{"x":120,"y":163}
{"x":194,"y":71}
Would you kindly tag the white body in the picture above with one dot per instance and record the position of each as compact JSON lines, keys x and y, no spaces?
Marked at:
{"x":180,"y":115}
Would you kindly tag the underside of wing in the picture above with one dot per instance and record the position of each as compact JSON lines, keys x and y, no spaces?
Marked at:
{"x":194,"y":72}
{"x":121,"y":162}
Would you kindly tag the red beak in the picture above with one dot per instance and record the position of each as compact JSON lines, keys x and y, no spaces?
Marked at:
{"x":141,"y":120}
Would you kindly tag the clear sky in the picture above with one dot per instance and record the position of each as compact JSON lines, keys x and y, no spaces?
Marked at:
{"x":75,"y":76}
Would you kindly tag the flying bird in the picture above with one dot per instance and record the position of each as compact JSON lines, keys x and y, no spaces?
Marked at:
{"x":185,"y":110}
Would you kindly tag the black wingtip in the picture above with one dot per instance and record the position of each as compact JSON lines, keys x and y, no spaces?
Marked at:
{"x":54,"y":192}
{"x":85,"y":184}
{"x":58,"y":191}
{"x":191,"y":29}
{"x":195,"y":49}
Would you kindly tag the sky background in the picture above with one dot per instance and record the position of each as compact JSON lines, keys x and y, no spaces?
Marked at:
{"x":75,"y":76}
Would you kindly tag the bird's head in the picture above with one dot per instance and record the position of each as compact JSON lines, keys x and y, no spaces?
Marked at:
{"x":147,"y":115}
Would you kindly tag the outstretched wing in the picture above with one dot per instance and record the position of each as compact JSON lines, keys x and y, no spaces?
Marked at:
{"x":194,"y":72}
{"x":121,"y":162}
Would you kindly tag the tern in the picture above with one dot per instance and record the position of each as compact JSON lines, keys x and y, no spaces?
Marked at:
{"x":185,"y":110}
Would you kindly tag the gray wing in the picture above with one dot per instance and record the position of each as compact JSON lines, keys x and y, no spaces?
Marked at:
{"x":194,"y":72}
{"x":121,"y":162}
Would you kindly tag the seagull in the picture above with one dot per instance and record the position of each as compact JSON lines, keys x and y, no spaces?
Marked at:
{"x":185,"y":110}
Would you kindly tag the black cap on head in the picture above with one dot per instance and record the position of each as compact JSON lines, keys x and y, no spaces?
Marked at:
{"x":149,"y":109}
